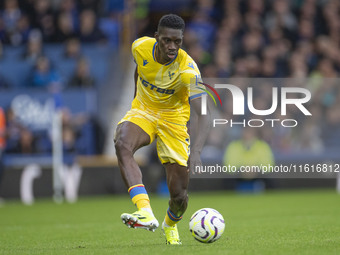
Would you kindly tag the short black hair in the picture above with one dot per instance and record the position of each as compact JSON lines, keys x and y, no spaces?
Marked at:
{"x":171,"y":21}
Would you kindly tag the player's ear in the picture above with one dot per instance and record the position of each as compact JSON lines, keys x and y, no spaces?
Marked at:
{"x":156,"y":36}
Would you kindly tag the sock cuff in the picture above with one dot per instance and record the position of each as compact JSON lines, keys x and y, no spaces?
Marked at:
{"x":136,"y":186}
{"x":172,"y":216}
{"x":137,"y":190}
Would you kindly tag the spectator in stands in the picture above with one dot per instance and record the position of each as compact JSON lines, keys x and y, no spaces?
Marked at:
{"x":223,"y":60}
{"x":326,"y":68}
{"x":72,"y":49}
{"x":3,"y":83}
{"x":252,"y":43}
{"x":88,"y":30}
{"x":26,"y":144}
{"x":268,"y":69}
{"x":11,"y":15}
{"x":331,"y":131}
{"x":34,"y":47}
{"x":70,"y":7}
{"x":306,"y":30}
{"x":201,"y":56}
{"x":19,"y":138}
{"x":309,"y":136}
{"x":209,"y":71}
{"x":16,"y":25}
{"x":43,"y":19}
{"x":69,"y":139}
{"x":65,"y":27}
{"x":253,"y":65}
{"x":204,"y":28}
{"x":13,"y":128}
{"x":331,"y":16}
{"x":250,"y":150}
{"x":21,"y":35}
{"x":281,"y":16}
{"x":43,"y":75}
{"x":82,"y":77}
{"x":78,"y":132}
{"x":75,"y":121}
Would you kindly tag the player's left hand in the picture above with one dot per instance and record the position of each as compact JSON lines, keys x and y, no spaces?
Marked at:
{"x":195,"y":161}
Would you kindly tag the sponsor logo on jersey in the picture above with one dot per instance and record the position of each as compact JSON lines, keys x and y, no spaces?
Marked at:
{"x":145,"y":62}
{"x":155,"y":88}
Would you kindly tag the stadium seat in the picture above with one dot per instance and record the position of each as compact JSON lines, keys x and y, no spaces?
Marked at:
{"x":10,"y":68}
{"x":13,"y":53}
{"x":54,"y":52}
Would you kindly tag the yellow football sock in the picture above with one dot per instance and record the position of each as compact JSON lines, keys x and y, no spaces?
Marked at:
{"x":171,"y":219}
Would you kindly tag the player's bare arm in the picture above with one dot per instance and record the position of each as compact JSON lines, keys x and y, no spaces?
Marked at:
{"x":203,"y":125}
{"x":135,"y":80}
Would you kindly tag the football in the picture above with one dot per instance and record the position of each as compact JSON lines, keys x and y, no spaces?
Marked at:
{"x":206,"y":225}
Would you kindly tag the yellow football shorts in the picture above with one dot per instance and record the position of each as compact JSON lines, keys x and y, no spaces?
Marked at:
{"x":172,"y":139}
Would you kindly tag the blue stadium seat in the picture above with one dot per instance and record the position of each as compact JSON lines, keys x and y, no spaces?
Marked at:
{"x":65,"y":68}
{"x":13,"y":53}
{"x":98,"y":56}
{"x":16,"y":71}
{"x":54,"y":52}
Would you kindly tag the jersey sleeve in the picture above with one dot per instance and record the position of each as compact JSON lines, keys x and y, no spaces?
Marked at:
{"x":134,"y":50}
{"x":134,"y":47}
{"x":192,"y":78}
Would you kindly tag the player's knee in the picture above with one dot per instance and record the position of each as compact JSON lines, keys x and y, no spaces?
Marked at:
{"x":120,"y":146}
{"x":179,"y":203}
{"x":180,"y":199}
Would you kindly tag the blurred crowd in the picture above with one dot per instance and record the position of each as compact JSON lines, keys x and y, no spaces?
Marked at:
{"x":258,"y":38}
{"x":57,"y":20}
{"x":31,"y":25}
{"x":227,"y":38}
{"x":274,"y":39}
{"x":271,"y":39}
{"x":42,"y":48}
{"x":81,"y":134}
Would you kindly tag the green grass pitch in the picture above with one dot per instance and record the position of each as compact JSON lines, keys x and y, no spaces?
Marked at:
{"x":294,"y":222}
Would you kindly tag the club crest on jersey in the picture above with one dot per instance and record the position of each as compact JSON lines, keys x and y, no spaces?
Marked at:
{"x":171,"y":75}
{"x":191,"y":65}
{"x":145,"y":62}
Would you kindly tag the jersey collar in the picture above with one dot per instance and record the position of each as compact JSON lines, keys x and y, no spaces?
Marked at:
{"x":154,"y":52}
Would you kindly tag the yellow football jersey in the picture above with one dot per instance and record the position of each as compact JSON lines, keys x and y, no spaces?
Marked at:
{"x":164,"y":90}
